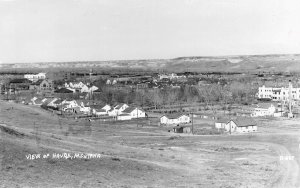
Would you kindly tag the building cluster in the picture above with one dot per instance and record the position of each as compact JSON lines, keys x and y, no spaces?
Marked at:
{"x":81,"y":107}
{"x":278,"y":94}
{"x":147,"y":82}
{"x":286,"y":97}
{"x":80,"y":87}
{"x":35,"y":77}
{"x":271,"y":109}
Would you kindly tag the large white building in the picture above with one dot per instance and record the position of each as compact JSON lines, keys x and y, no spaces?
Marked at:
{"x":278,"y":94}
{"x":35,"y":77}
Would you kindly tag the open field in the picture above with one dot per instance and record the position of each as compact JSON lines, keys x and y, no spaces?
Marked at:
{"x":145,"y":156}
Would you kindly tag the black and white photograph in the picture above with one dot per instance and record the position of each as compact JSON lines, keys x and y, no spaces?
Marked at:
{"x":149,"y":93}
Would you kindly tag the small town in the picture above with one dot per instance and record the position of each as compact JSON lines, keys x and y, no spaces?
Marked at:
{"x":149,"y":94}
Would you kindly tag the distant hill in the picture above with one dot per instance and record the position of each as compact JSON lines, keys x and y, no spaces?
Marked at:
{"x":242,"y":63}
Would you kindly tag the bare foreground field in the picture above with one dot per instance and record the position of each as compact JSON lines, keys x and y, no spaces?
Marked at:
{"x":146,"y":156}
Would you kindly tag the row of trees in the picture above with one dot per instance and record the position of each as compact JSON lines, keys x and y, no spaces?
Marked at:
{"x":210,"y":95}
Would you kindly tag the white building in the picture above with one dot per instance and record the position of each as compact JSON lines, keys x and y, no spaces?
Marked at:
{"x":131,"y":113}
{"x":241,"y":125}
{"x":101,"y":110}
{"x":263,"y":109}
{"x":171,"y":76}
{"x":221,"y":123}
{"x":174,"y":119}
{"x":35,"y":77}
{"x":69,"y":104}
{"x":278,"y":94}
{"x":117,"y":110}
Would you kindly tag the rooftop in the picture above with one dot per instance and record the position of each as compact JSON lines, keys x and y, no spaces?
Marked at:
{"x":244,"y":121}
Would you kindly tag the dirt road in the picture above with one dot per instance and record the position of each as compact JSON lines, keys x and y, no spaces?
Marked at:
{"x":197,"y":158}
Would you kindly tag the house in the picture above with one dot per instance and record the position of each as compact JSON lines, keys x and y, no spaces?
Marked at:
{"x":57,"y":103}
{"x":117,"y":109}
{"x":75,"y":110}
{"x":221,"y":123}
{"x":51,"y":101}
{"x":75,"y":85}
{"x":100,"y":110}
{"x":84,"y":107}
{"x":174,"y":119}
{"x":35,"y":77}
{"x":37,"y":101}
{"x":130,"y":113}
{"x":85,"y":89}
{"x":42,"y":85}
{"x":241,"y":125}
{"x":69,"y":104}
{"x":19,"y":84}
{"x":263,"y":109}
{"x":106,"y":107}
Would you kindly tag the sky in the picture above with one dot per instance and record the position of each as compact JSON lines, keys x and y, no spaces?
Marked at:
{"x":97,"y":30}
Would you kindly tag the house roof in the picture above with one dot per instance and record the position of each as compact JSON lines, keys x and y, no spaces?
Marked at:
{"x":119,"y":106}
{"x":63,"y":90}
{"x":244,"y":122}
{"x":38,"y":101}
{"x":100,"y":110}
{"x":264,"y":105}
{"x":38,"y":82}
{"x":58,"y":101}
{"x":64,"y":105}
{"x":124,"y":114}
{"x":19,"y":81}
{"x":131,"y":109}
{"x":174,"y":116}
{"x":223,"y":120}
{"x":97,"y":106}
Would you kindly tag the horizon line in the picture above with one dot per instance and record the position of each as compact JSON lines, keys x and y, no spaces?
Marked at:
{"x":143,"y":59}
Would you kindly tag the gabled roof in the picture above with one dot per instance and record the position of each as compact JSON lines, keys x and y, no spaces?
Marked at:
{"x":222,"y":120}
{"x":69,"y":101}
{"x":131,"y":109}
{"x":174,"y":116}
{"x":100,"y":110}
{"x":38,"y":82}
{"x":38,"y":101}
{"x":119,"y":106}
{"x":244,"y":121}
{"x":64,"y":105}
{"x":264,"y":105}
{"x":58,"y":101}
{"x":97,"y":106}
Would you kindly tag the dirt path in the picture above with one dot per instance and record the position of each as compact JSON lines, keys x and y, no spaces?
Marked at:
{"x":290,"y":172}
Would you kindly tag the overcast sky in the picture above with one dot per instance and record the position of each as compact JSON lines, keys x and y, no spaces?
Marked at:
{"x":75,"y":30}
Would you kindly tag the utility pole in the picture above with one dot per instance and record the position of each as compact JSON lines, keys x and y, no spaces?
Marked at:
{"x":137,"y":116}
{"x":192,"y":123}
